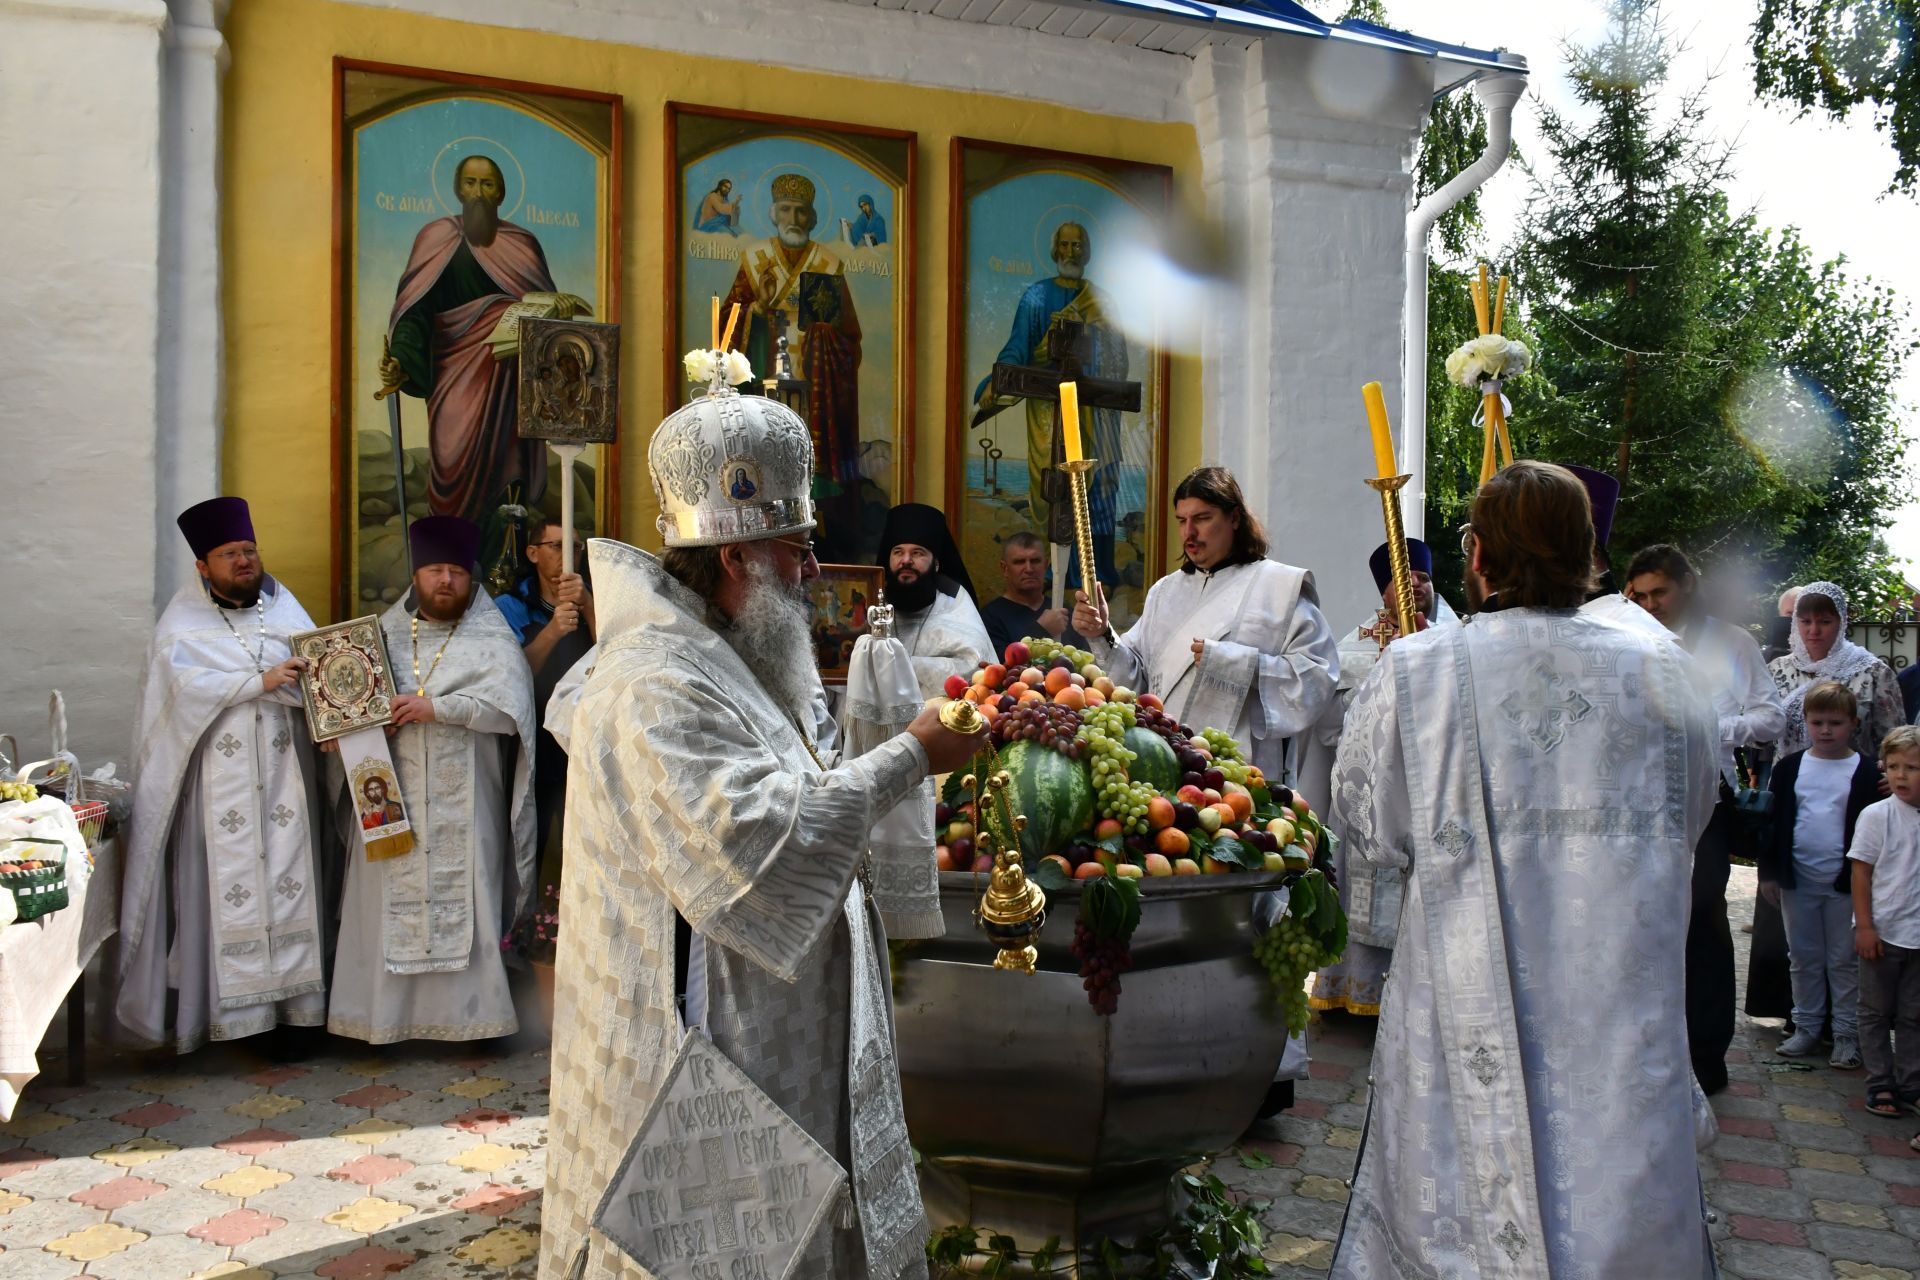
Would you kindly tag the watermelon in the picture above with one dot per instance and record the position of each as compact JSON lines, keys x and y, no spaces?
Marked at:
{"x":1154,"y":762}
{"x":1055,"y":794}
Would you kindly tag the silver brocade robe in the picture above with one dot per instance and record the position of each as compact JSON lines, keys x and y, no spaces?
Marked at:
{"x":690,"y":790}
{"x":1370,"y":892}
{"x":221,"y":897}
{"x":946,"y":638}
{"x":1270,"y":662}
{"x":1533,"y":1113}
{"x":420,"y":934}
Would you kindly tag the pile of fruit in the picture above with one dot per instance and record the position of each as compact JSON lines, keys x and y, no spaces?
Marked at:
{"x":26,"y":863}
{"x":1115,"y":791}
{"x":25,"y":791}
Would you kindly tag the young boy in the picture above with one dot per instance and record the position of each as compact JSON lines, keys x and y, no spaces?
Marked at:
{"x":1818,"y":797}
{"x":1886,"y":909}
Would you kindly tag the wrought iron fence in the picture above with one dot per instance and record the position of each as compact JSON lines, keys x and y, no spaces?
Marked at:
{"x":1896,"y":639}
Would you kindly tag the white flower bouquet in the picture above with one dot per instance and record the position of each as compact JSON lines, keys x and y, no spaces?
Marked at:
{"x":1491,"y":357}
{"x":704,"y":368}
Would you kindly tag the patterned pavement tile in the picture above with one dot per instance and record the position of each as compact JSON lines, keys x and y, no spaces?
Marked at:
{"x":116,"y":1193}
{"x":501,"y":1247}
{"x":425,"y":1146}
{"x":256,"y":1142}
{"x":488,"y":1157}
{"x":371,"y":1067}
{"x":193,"y":1166}
{"x":153,"y":1114}
{"x":370,"y":1170}
{"x":265,"y":1106}
{"x":369,"y":1262}
{"x":370,"y":1214}
{"x":1850,"y":1214}
{"x":60,"y":1178}
{"x":371,"y":1131}
{"x":1868,"y":1271}
{"x":476,"y":1087}
{"x":160,"y":1258}
{"x":37,"y":1264}
{"x":300,"y":1245}
{"x":34,"y":1123}
{"x":306,"y":1199}
{"x":95,"y":1242}
{"x":372,"y":1096}
{"x":31,"y":1226}
{"x":497,"y":1201}
{"x":9,"y":1201}
{"x":18,"y":1160}
{"x":135,"y":1152}
{"x":434,"y":1186}
{"x":82,"y":1138}
{"x":93,"y":1103}
{"x":246,"y":1181}
{"x":236,"y":1226}
{"x":274,"y":1076}
{"x":174,"y":1210}
{"x":166,"y":1083}
{"x":481,"y":1120}
{"x":314,"y":1156}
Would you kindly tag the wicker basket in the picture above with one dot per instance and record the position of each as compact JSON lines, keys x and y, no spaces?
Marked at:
{"x":41,"y":891}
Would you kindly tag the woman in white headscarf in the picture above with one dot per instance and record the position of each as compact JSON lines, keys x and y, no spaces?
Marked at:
{"x":1821,"y":651}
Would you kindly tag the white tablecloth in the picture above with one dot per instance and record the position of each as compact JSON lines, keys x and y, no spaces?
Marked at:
{"x":39,"y":962}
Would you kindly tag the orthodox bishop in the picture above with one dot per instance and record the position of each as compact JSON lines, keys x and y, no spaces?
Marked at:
{"x":932,"y":596}
{"x":222,"y":899}
{"x":700,"y":803}
{"x":420,"y":934}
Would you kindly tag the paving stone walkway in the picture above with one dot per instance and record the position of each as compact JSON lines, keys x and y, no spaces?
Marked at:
{"x":1806,"y":1184}
{"x":427,"y":1162}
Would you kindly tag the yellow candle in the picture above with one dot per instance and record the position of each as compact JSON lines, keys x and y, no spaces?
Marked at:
{"x":733,"y":318}
{"x":716,"y":323}
{"x":1070,"y":419}
{"x":1382,"y":433}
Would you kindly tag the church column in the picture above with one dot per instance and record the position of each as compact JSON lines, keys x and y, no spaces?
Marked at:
{"x":80,"y":94}
{"x":1323,"y":136}
{"x":191,"y":400}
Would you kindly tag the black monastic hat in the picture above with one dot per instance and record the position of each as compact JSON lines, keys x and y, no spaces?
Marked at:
{"x":215,"y":523}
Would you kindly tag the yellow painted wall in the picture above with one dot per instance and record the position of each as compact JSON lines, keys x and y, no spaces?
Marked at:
{"x":278,"y":200}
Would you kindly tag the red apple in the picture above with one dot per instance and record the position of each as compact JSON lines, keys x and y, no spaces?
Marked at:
{"x":956,"y":686}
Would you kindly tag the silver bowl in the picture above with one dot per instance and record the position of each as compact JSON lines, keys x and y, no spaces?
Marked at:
{"x":1035,"y":1116}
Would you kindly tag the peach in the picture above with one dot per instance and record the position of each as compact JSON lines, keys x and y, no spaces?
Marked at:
{"x":1171,"y":841}
{"x":1089,"y":869}
{"x":1240,"y":803}
{"x":1066,"y":868}
{"x":1159,"y":813}
{"x":943,"y":857}
{"x":1157,"y":864}
{"x":1095,"y":697}
{"x":1212,"y":866}
{"x":1149,"y":700}
{"x":1107,"y":829}
{"x":994,"y":674}
{"x":1127,"y":871}
{"x":1192,"y":795}
{"x":1185,"y":867}
{"x":1104,"y":685}
{"x":1071,"y":698}
{"x":1033,"y":677}
{"x":1057,"y":680}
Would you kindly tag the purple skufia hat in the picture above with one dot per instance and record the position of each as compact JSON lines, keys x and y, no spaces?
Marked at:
{"x":443,"y":540}
{"x":215,"y":523}
{"x":1419,"y":557}
{"x":1603,"y":495}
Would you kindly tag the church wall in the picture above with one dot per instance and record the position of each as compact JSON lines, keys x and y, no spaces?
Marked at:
{"x":80,"y":98}
{"x":277,"y":192}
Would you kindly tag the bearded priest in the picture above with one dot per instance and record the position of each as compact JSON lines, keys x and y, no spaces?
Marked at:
{"x":1544,"y":774}
{"x":701,"y":804}
{"x":935,"y":613}
{"x":221,"y":905}
{"x":1233,"y":641}
{"x":420,"y":934}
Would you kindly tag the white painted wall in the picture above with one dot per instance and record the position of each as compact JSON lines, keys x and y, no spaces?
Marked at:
{"x":80,"y":147}
{"x":111,"y":386}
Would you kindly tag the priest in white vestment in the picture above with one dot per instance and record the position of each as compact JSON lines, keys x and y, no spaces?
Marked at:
{"x":420,"y":955}
{"x":699,"y":798}
{"x":1544,"y":776}
{"x":934,"y":612}
{"x":1233,"y":641}
{"x":220,"y":913}
{"x":1370,"y":893}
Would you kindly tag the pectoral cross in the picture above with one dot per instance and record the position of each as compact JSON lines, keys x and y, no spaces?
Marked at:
{"x":1070,"y":343}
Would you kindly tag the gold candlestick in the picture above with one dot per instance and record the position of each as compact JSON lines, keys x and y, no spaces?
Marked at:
{"x":1014,"y":908}
{"x":1388,"y":487}
{"x":1077,"y":469}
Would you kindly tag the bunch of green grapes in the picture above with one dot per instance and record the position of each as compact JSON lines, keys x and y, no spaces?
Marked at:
{"x":1226,"y":756}
{"x":1289,"y":953}
{"x":1115,"y":794}
{"x":19,"y":791}
{"x":1044,"y":651}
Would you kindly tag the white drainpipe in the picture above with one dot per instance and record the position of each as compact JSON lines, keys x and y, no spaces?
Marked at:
{"x":1498,"y":94}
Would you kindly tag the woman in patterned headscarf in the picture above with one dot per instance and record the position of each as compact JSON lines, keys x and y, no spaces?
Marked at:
{"x":1821,"y":651}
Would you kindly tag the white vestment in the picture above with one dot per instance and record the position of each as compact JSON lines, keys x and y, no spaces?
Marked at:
{"x":1617,"y":609}
{"x":1270,"y":663}
{"x":221,"y":900}
{"x":1533,"y":1111}
{"x":692,"y":792}
{"x":1370,"y":893}
{"x":946,"y":638}
{"x":420,"y":934}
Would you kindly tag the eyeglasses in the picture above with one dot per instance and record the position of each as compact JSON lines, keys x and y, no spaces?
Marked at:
{"x":808,"y":550}
{"x":243,"y":553}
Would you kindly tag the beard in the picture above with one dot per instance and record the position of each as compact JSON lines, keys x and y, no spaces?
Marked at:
{"x":792,"y":235}
{"x":480,"y":221}
{"x":236,"y":595}
{"x":911,"y":597}
{"x":1069,"y":270}
{"x":771,"y":633}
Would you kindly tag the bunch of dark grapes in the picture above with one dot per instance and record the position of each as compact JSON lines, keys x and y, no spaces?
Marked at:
{"x":1051,"y":725}
{"x":1157,"y":719}
{"x":1102,"y":961}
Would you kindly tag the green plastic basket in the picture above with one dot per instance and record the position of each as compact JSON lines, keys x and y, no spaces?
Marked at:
{"x":42,"y":890}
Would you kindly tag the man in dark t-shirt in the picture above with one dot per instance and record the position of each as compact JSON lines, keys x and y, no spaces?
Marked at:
{"x":1018,"y":613}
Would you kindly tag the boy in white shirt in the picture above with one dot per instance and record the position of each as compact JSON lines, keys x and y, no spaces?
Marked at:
{"x":1886,"y":909}
{"x":1819,"y":795}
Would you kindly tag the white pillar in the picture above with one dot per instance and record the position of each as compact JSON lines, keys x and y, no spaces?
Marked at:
{"x":80,"y":95}
{"x":191,"y":384}
{"x":1308,"y":148}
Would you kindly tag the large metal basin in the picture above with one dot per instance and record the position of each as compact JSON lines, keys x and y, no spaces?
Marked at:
{"x":1035,"y":1116}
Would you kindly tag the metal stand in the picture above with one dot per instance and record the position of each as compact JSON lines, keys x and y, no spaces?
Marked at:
{"x":1082,"y":522}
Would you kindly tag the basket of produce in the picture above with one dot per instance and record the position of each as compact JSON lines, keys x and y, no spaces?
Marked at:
{"x":34,"y":871}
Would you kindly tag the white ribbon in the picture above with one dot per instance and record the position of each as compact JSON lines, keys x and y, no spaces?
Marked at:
{"x":1491,"y":387}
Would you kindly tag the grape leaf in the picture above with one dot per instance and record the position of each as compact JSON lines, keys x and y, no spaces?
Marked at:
{"x":1115,"y":845}
{"x":1049,"y":876}
{"x":1303,"y":901}
{"x":1255,"y":1160}
{"x":1130,"y":904}
{"x":1199,"y":843}
{"x":1327,"y":909}
{"x":1238,"y":853}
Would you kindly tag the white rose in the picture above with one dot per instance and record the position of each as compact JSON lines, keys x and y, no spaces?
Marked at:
{"x":700,"y":367}
{"x":1457,"y":367}
{"x":1519,"y":359}
{"x":1491,"y":348}
{"x":737,"y":368}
